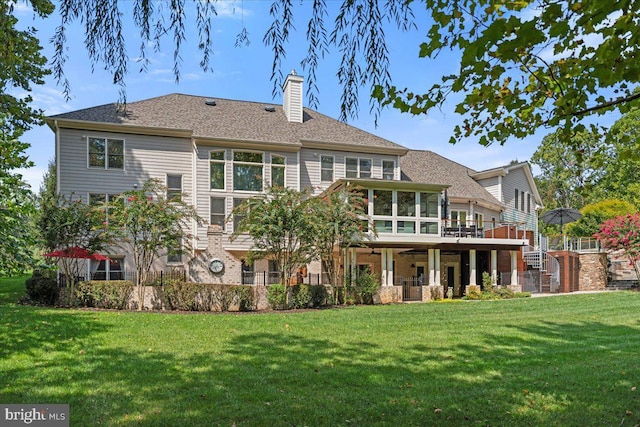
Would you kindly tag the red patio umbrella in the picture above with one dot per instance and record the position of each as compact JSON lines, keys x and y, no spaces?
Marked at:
{"x":76,"y":252}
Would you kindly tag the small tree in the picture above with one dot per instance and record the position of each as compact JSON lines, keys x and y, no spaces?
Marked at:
{"x":67,"y":225}
{"x":148,"y":224}
{"x":595,"y":214}
{"x":622,"y":233}
{"x":341,"y":221}
{"x":281,"y":226}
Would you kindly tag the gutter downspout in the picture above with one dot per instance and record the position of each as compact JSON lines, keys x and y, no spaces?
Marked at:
{"x":194,"y":191}
{"x":57,"y":151}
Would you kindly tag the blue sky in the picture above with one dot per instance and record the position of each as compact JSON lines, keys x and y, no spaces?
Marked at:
{"x":244,"y":73}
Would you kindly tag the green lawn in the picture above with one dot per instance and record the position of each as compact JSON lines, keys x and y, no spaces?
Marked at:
{"x":561,"y":361}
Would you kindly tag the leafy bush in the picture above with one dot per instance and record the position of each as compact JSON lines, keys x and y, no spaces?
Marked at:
{"x":276,"y":296}
{"x":184,"y":296}
{"x":368,"y":285}
{"x":319,"y":295}
{"x":104,"y":294}
{"x":42,"y":289}
{"x":223,"y":297}
{"x":473,"y":292}
{"x":245,"y":296}
{"x":300,"y":296}
{"x":487,"y":282}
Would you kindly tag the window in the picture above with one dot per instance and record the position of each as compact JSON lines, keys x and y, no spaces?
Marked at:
{"x":106,"y":153}
{"x":428,"y":227}
{"x":429,"y":205}
{"x":218,"y":212}
{"x":217,"y":168}
{"x":247,"y":171}
{"x":479,"y":218}
{"x":406,"y":227}
{"x":237,"y":218}
{"x":110,"y":269}
{"x":174,"y":255}
{"x":102,"y":200}
{"x":516,"y":199}
{"x":388,"y":169}
{"x":383,"y":202}
{"x":326,"y":168}
{"x":383,"y":226}
{"x":351,"y":166}
{"x":357,"y":168}
{"x":522,"y":201}
{"x":406,"y":203}
{"x":528,"y":203}
{"x":174,"y":188}
{"x":458,"y":218}
{"x":277,"y":171}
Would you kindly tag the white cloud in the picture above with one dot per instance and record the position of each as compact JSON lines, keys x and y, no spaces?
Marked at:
{"x":32,"y":176}
{"x":231,"y":9}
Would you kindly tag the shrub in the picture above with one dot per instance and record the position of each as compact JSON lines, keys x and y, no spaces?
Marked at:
{"x":319,"y":295}
{"x":223,"y":297}
{"x":246,"y":300}
{"x":300,"y":296}
{"x":276,"y":297}
{"x":473,"y":292}
{"x":42,"y":289}
{"x":104,"y":294}
{"x":487,"y":282}
{"x":368,"y":285}
{"x":179,"y":295}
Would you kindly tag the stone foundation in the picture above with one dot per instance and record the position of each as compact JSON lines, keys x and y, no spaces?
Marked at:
{"x":389,"y":295}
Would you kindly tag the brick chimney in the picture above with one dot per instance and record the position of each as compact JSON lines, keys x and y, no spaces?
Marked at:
{"x":292,"y":97}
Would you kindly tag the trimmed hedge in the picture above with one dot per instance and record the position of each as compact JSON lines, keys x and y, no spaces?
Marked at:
{"x":41,"y":289}
{"x":114,"y":294}
{"x":178,"y":295}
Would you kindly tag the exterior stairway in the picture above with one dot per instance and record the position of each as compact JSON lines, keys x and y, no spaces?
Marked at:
{"x":544,"y":271}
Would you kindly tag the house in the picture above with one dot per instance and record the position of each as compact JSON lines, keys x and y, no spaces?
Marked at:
{"x":438,"y":223}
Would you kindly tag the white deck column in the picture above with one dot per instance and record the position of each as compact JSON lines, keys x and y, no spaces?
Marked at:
{"x":390,"y":267}
{"x":432,"y":267}
{"x":472,"y":267}
{"x":494,"y":267}
{"x":514,"y":268}
{"x":383,"y":263}
{"x":437,"y":269}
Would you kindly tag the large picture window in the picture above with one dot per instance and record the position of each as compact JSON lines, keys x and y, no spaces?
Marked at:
{"x":383,"y":202}
{"x":106,"y":153}
{"x":277,"y":171}
{"x":429,"y":205}
{"x":247,"y":171}
{"x":217,"y":168}
{"x":406,"y":203}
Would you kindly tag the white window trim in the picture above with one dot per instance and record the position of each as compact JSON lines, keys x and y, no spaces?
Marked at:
{"x":224,"y":168}
{"x":233,"y":163}
{"x":106,"y":156}
{"x":333,"y":167}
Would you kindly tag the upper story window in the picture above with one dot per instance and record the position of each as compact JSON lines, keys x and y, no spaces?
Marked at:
{"x":388,"y":169}
{"x":105,"y":153}
{"x":528,"y":203}
{"x":406,"y":203}
{"x":326,"y":168}
{"x":277,"y":171}
{"x":479,"y":218}
{"x":383,"y":202}
{"x":247,"y":171}
{"x":516,"y":199}
{"x":174,"y":187}
{"x":101,"y":200}
{"x":357,"y":168}
{"x":429,"y":205}
{"x":217,"y":170}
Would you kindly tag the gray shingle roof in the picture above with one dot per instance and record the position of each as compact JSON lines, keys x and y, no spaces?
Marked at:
{"x":429,"y":167}
{"x":230,"y":119}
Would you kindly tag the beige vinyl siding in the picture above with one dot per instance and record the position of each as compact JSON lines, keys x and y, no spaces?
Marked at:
{"x":145,"y":157}
{"x":310,"y":166}
{"x":492,"y":185}
{"x":517,"y":179}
